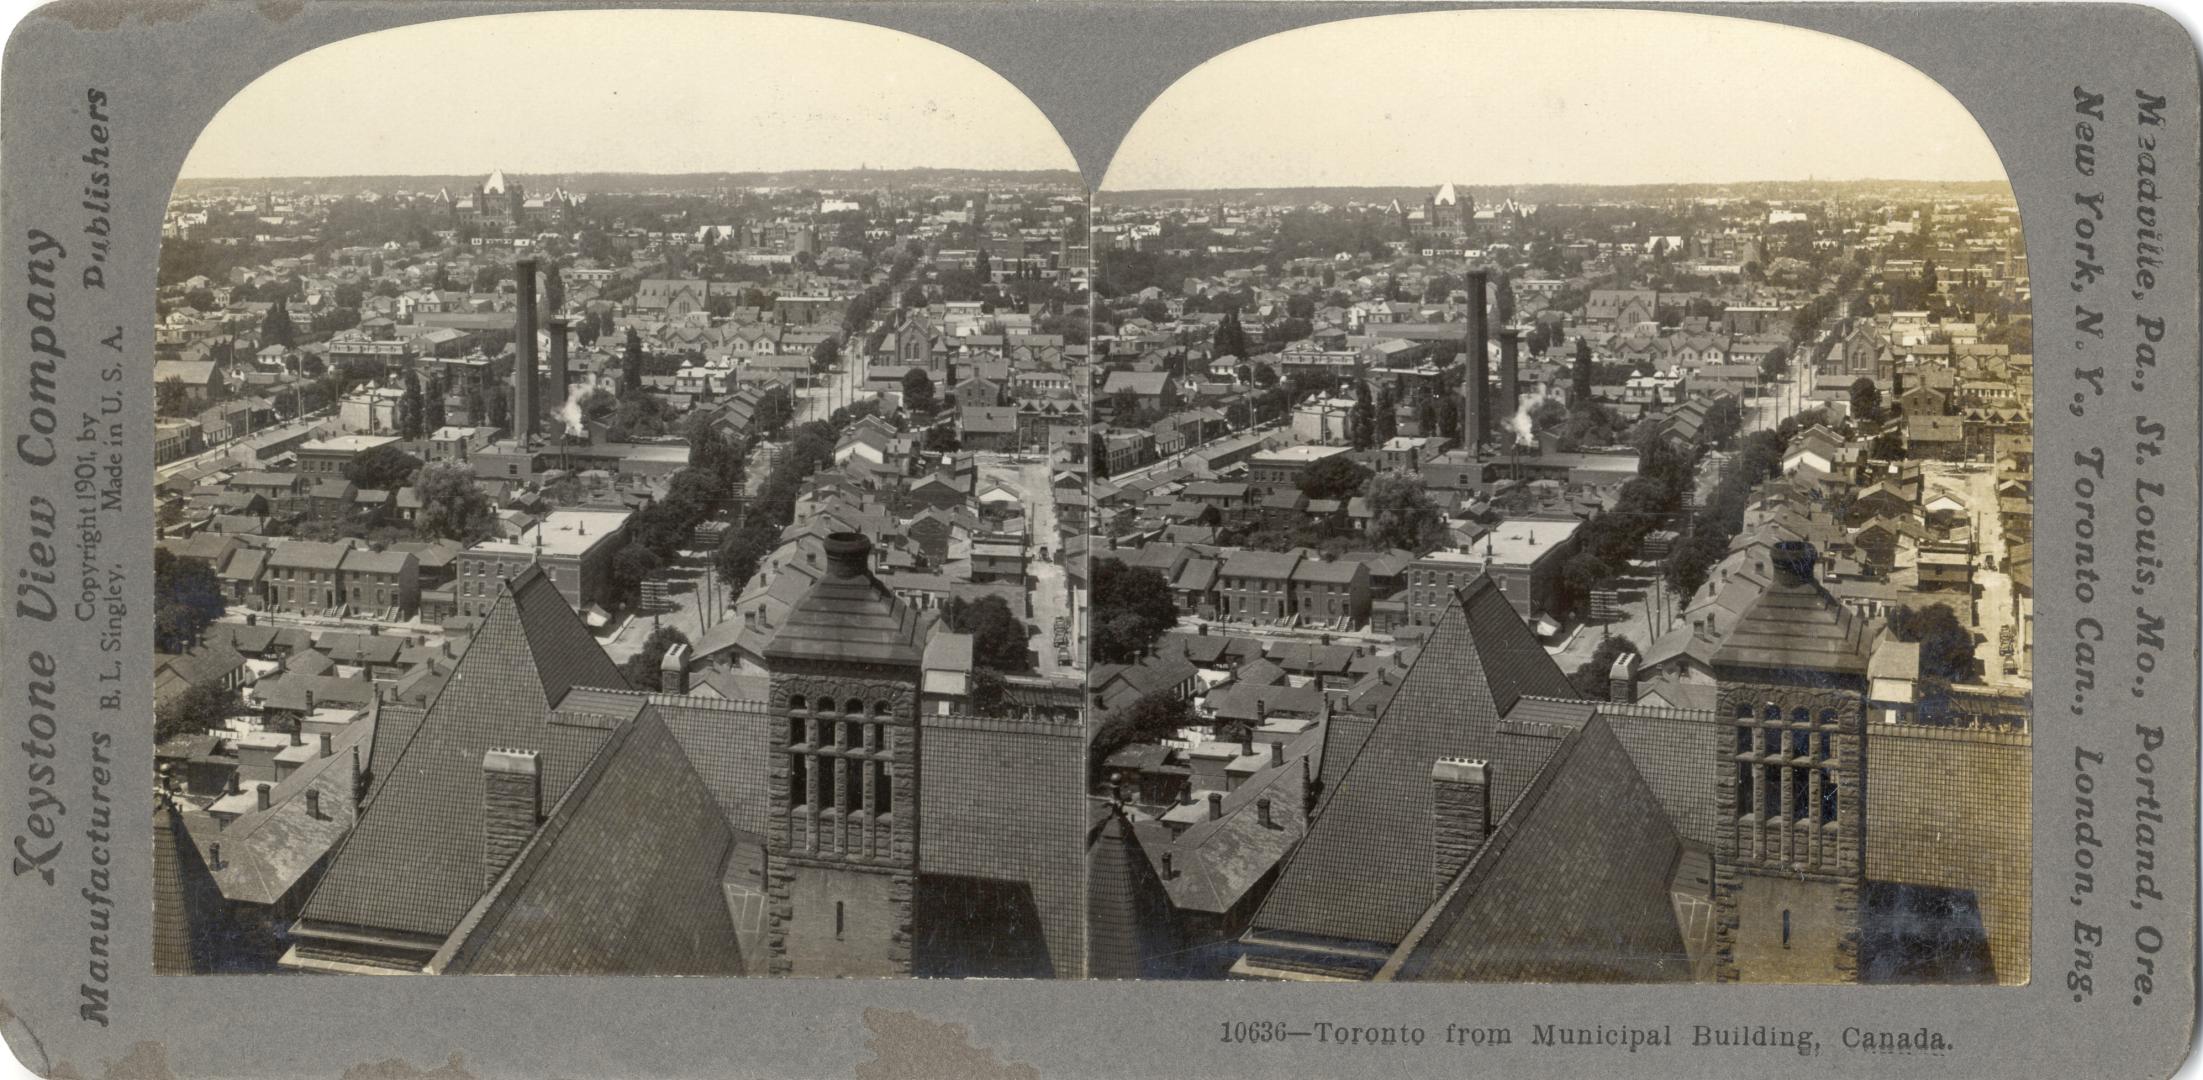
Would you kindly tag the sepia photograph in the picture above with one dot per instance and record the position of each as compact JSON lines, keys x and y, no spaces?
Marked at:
{"x":620,"y":509}
{"x":1562,"y":513}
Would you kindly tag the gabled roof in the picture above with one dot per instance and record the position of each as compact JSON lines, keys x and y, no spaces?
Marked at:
{"x":1363,"y":874}
{"x":414,"y":863}
{"x":1571,"y":886}
{"x":623,"y":877}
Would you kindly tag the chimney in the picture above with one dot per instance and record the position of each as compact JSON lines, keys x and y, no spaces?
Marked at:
{"x":1262,"y":808}
{"x":1216,"y":805}
{"x":236,"y":784}
{"x":1461,"y":815}
{"x":512,"y":805}
{"x":324,"y":747}
{"x":358,"y":789}
{"x":524,"y":404}
{"x":557,"y":381}
{"x":214,"y":855}
{"x":1169,"y":871}
{"x":252,"y":618}
{"x":313,"y":803}
{"x":1621,"y":680}
{"x":1475,"y":422}
{"x":1794,"y":561}
{"x":309,"y":701}
{"x":1277,"y":754}
{"x":1510,"y":390}
{"x":262,"y":792}
{"x":848,"y":555}
{"x":673,"y":670}
{"x":298,"y":738}
{"x":1246,"y":743}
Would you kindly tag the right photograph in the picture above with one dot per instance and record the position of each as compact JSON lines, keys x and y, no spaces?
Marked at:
{"x":1562,"y":509}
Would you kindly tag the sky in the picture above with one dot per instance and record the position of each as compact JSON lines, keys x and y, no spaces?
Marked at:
{"x":625,"y":91}
{"x":1552,"y":96}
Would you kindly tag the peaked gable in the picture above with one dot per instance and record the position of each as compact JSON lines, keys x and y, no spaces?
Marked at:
{"x":1364,"y":872}
{"x":414,"y":864}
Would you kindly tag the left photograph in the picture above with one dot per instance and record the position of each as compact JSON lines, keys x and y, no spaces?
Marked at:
{"x":621,"y":489}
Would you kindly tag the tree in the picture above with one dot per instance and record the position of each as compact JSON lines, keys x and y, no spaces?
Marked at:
{"x":1336,"y":477}
{"x":1582,"y":384}
{"x":1132,"y":607}
{"x":1866,"y":400}
{"x":453,"y":506}
{"x":1231,"y":337}
{"x":187,"y":597}
{"x":642,"y":669}
{"x":276,"y":328}
{"x":1155,"y":716}
{"x":914,"y":296}
{"x":1362,"y":422}
{"x":998,"y":635}
{"x":1946,"y":645}
{"x":1582,"y":573}
{"x":918,"y":392}
{"x":381,"y":468}
{"x":631,"y":363}
{"x":172,"y":398}
{"x":199,"y":708}
{"x":412,"y":409}
{"x":1402,"y":514}
{"x":1775,"y":364}
{"x":1591,"y":677}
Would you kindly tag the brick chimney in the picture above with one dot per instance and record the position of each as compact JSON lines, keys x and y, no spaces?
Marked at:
{"x":673,"y":670}
{"x":324,"y":748}
{"x":1216,"y":806}
{"x":557,"y":380}
{"x":1510,"y":389}
{"x":524,"y":403}
{"x":1475,"y":417}
{"x":1169,"y":871}
{"x":359,"y":787}
{"x":1621,"y":680}
{"x":1277,"y":754}
{"x":1460,"y":813}
{"x":1262,"y":809}
{"x":313,"y":803}
{"x":262,"y":791}
{"x":512,"y":806}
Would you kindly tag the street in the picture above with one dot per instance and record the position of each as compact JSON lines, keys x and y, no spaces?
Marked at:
{"x":232,"y":447}
{"x":843,"y":385}
{"x":1991,"y":609}
{"x":1049,"y":587}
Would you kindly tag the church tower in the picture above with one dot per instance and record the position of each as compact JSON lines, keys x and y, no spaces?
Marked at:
{"x":842,"y":836}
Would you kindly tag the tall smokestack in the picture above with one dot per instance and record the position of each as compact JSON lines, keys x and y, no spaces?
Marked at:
{"x":525,"y":424}
{"x":1510,"y":391}
{"x":1476,"y":422}
{"x":559,"y":327}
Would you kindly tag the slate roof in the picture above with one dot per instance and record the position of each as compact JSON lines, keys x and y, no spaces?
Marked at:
{"x":266,"y":852}
{"x":414,"y":863}
{"x":623,"y":876}
{"x":849,"y":616}
{"x":1363,"y":874}
{"x":1571,"y":886}
{"x":1215,"y":862}
{"x":1795,"y":626}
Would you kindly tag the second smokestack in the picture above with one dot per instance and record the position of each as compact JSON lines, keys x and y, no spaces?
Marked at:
{"x":1476,"y":422}
{"x":1510,"y":390}
{"x":525,"y":424}
{"x":559,"y":328}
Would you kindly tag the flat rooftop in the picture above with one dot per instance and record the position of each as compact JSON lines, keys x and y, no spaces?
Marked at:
{"x":561,"y":532}
{"x":348,"y":444}
{"x":1514,"y":543}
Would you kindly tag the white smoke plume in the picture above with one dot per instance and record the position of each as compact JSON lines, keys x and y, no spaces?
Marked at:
{"x":570,"y":412}
{"x":1525,"y":433}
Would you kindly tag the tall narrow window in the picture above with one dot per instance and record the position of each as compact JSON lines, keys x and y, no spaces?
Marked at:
{"x":883,"y":788}
{"x":840,"y":920}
